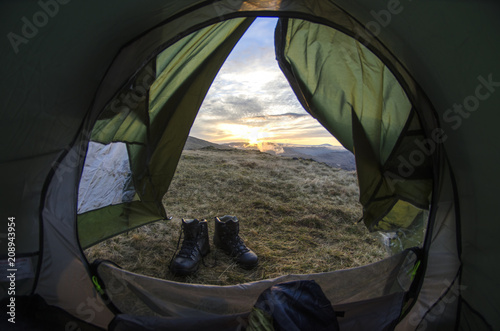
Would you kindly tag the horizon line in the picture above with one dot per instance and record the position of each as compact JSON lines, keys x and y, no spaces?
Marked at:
{"x":245,"y":142}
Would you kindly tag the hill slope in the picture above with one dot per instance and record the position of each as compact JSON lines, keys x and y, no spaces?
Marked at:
{"x":298,"y":215}
{"x":193,"y":143}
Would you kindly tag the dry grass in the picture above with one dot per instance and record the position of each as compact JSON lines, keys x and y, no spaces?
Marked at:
{"x":299,"y":216}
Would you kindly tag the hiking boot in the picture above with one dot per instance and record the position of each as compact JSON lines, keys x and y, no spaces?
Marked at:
{"x":194,"y":247}
{"x":226,"y":238}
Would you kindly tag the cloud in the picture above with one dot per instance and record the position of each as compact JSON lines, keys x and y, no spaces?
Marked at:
{"x":231,"y":107}
{"x":279,"y":84}
{"x":276,"y":117}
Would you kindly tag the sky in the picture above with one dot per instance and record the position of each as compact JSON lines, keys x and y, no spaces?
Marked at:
{"x":251,"y":101}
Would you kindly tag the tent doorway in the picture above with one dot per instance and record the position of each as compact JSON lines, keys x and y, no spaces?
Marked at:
{"x":310,"y":211}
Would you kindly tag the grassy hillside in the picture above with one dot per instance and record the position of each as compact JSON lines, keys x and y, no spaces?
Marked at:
{"x":299,"y":216}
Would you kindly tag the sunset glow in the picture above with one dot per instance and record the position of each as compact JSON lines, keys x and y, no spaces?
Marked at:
{"x":243,"y":133}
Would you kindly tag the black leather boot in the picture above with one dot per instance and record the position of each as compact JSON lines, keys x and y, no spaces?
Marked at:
{"x":194,"y":247}
{"x":226,"y":237}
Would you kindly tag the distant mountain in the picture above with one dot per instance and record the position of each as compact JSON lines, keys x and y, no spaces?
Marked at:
{"x":334,"y":156}
{"x":195,"y":143}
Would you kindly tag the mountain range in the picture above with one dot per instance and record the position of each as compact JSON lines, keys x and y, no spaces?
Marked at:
{"x":334,"y":156}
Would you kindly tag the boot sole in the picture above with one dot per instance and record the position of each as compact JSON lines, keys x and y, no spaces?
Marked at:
{"x":184,"y":272}
{"x":246,"y":267}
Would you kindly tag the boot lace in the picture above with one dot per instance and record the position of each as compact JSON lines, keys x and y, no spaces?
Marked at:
{"x":238,"y":247}
{"x":188,"y":245}
{"x":187,"y":248}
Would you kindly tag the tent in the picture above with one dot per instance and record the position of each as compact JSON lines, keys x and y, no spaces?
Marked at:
{"x":408,"y":86}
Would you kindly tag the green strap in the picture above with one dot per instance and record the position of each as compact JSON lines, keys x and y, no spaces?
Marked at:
{"x":413,"y":270}
{"x":97,"y":285}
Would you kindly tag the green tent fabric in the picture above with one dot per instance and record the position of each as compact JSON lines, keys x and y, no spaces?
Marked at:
{"x":355,"y":96}
{"x":153,"y":116}
{"x":67,"y":65}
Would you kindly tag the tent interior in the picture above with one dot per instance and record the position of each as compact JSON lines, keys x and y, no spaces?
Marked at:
{"x":142,"y":75}
{"x":119,"y":127}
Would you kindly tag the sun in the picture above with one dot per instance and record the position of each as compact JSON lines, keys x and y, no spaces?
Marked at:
{"x":255,"y":135}
{"x":253,"y":138}
{"x":240,"y":132}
